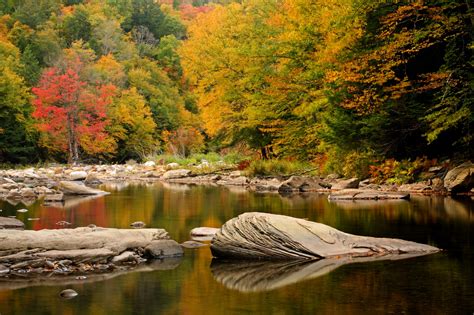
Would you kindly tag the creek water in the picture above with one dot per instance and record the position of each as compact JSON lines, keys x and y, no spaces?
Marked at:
{"x":442,"y":283}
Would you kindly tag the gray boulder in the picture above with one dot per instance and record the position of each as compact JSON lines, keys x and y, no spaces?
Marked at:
{"x":176,"y":174}
{"x":299,"y":184}
{"x":78,"y":175}
{"x":163,"y":249}
{"x":255,"y":235}
{"x":460,"y":178}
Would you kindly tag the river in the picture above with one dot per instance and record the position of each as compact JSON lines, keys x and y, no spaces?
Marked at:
{"x":442,"y":283}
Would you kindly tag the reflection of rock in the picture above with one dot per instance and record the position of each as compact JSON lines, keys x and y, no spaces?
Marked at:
{"x":71,"y":201}
{"x":74,"y":188}
{"x":457,"y":209}
{"x":369,"y":204}
{"x":53,"y":279}
{"x":257,"y":276}
{"x":357,"y":194}
{"x":257,"y":235}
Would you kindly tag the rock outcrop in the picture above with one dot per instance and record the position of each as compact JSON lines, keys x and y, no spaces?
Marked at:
{"x":255,"y":235}
{"x":460,"y":178}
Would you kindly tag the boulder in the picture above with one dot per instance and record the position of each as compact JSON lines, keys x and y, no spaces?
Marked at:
{"x":149,"y":163}
{"x":265,"y":184}
{"x":172,"y":174}
{"x":460,"y":178}
{"x":356,"y":194}
{"x":164,"y":248}
{"x":204,"y":231}
{"x":11,"y":224}
{"x":54,"y":197}
{"x":299,"y":184}
{"x":346,"y":184}
{"x":172,"y":165}
{"x":74,"y":188}
{"x":255,"y":235}
{"x":78,"y":175}
{"x":27,"y":193}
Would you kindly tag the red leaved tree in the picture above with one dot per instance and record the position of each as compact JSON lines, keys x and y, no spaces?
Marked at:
{"x":72,"y":114}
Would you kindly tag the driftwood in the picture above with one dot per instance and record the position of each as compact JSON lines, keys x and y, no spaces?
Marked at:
{"x":81,"y":249}
{"x":257,"y":235}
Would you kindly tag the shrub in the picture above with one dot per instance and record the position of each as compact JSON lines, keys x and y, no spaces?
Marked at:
{"x":277,"y":168}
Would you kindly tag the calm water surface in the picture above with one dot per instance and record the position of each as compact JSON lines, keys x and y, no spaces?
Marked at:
{"x":437,"y":284}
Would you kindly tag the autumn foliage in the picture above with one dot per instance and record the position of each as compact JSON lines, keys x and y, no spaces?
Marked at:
{"x":72,"y":115}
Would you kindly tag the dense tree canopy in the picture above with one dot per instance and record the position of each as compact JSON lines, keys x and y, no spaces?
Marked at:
{"x":327,"y":81}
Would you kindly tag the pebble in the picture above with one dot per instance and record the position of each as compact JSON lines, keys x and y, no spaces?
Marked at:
{"x":138,"y":225}
{"x":63,"y":223}
{"x":68,"y":294}
{"x":81,"y":278}
{"x":22,"y":210}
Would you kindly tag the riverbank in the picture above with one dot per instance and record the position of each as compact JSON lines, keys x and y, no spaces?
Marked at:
{"x":55,"y":183}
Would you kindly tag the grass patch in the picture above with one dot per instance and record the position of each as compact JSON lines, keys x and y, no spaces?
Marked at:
{"x":279,"y":168}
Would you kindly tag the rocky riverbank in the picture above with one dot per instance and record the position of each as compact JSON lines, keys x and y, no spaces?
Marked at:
{"x":80,"y":251}
{"x":56,"y":183}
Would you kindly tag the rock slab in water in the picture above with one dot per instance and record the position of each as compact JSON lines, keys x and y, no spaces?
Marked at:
{"x":74,"y":188}
{"x":11,"y":223}
{"x":460,"y":178}
{"x":356,"y":194}
{"x":257,"y":235}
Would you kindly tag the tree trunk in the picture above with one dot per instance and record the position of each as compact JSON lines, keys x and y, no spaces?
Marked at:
{"x":73,"y":157}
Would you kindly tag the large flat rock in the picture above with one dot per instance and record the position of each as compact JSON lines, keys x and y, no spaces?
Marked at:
{"x":359,"y":194}
{"x":255,"y":235}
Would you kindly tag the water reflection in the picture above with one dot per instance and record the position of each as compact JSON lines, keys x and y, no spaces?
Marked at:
{"x":65,"y":280}
{"x":259,"y":276}
{"x":441,"y":283}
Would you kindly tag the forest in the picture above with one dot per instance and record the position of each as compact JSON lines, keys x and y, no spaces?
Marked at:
{"x":349,"y":86}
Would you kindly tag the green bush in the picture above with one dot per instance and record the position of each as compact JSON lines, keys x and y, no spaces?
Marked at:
{"x":277,"y":168}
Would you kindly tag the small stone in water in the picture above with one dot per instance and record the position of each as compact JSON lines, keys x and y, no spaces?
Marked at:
{"x":33,"y":219}
{"x":192,"y":244}
{"x":81,"y":278}
{"x":63,"y":223}
{"x":138,"y":225}
{"x":68,"y":294}
{"x":22,"y":210}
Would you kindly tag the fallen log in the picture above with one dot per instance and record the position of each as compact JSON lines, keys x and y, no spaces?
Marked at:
{"x":257,"y":235}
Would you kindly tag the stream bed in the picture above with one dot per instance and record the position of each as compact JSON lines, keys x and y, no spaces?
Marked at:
{"x":442,"y":283}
